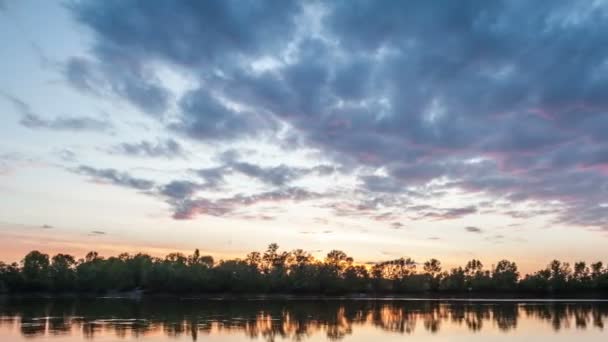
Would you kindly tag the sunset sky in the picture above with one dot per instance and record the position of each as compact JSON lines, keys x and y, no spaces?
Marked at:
{"x":446,"y":129}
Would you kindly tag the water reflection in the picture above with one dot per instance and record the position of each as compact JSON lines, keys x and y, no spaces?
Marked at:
{"x":272,"y":320}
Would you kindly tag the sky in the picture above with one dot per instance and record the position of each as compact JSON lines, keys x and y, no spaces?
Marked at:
{"x":454,"y":130}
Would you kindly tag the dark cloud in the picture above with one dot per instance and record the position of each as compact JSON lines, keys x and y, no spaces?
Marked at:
{"x":382,"y":184}
{"x":434,"y":213}
{"x":115,"y":177}
{"x":454,"y":94}
{"x":213,"y":177}
{"x":255,"y":217}
{"x":46,"y":226}
{"x":371,"y":208}
{"x":201,"y":34}
{"x":397,"y":225}
{"x":388,"y":216}
{"x":65,"y":123}
{"x":182,"y":195}
{"x":180,"y":189}
{"x":67,"y":155}
{"x":205,"y":117}
{"x":21,"y":106}
{"x":279,"y":176}
{"x":98,"y":232}
{"x":119,"y":75}
{"x":471,"y":229}
{"x":190,"y":208}
{"x":224,"y":29}
{"x":168,"y":148}
{"x":32,"y":120}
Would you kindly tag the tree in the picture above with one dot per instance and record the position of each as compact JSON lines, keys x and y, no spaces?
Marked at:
{"x":473,"y":267}
{"x":476,"y":279}
{"x":559,"y":274}
{"x":432,"y":268}
{"x":11,"y":279}
{"x":63,"y":272}
{"x":275,"y":271}
{"x":270,"y":258}
{"x":337,"y":259}
{"x":91,"y":274}
{"x":455,"y":281}
{"x":299,"y":258}
{"x":36,"y":271}
{"x":505,"y":275}
{"x":596,"y":270}
{"x":581,"y":277}
{"x":332,"y":271}
{"x":254,"y":259}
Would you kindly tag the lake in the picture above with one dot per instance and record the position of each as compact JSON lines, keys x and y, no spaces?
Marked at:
{"x":154,"y":319}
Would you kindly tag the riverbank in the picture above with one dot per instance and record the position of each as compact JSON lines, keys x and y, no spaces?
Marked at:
{"x":505,"y":297}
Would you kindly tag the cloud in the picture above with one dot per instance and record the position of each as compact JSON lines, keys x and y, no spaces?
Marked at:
{"x":499,"y":238}
{"x":5,"y":164}
{"x":471,"y":229}
{"x":67,"y":155}
{"x":190,"y":208}
{"x":182,"y":196}
{"x":180,"y":189}
{"x":13,"y":161}
{"x":205,"y":117}
{"x":224,"y":31}
{"x":213,"y":177}
{"x":115,"y":177}
{"x":321,"y":232}
{"x":46,"y":226}
{"x":278,"y":176}
{"x":382,"y":184}
{"x":119,"y":76}
{"x":98,"y":232}
{"x":32,"y":120}
{"x":168,"y":148}
{"x":435,"y":213}
{"x":21,"y":106}
{"x":397,"y":225}
{"x":65,"y":123}
{"x":453,"y":96}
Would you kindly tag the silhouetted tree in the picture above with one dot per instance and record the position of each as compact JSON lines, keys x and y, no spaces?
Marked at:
{"x":63,"y":272}
{"x":432,"y":269}
{"x":276,"y":271}
{"x":505,"y":276}
{"x":36,"y":271}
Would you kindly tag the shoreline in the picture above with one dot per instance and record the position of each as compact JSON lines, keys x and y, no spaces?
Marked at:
{"x":510,"y":298}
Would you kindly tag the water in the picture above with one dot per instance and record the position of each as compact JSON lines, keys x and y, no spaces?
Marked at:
{"x":299,"y":320}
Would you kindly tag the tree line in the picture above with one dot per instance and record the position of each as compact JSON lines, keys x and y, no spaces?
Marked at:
{"x":289,"y":272}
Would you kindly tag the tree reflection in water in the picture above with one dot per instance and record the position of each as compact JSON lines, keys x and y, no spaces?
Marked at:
{"x":273,"y":319}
